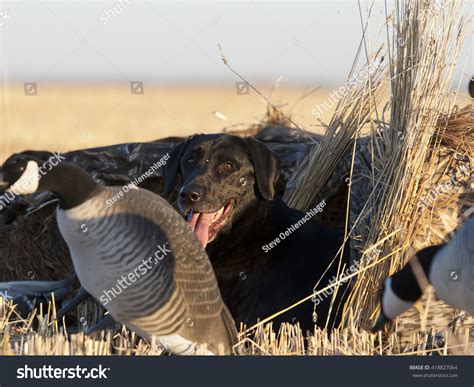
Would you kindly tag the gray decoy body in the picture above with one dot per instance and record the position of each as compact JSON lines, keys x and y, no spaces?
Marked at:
{"x":449,"y":268}
{"x":172,"y":293}
{"x":452,"y":270}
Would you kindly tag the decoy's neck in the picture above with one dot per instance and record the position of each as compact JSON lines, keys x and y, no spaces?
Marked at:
{"x":70,"y":184}
{"x":405,"y":283}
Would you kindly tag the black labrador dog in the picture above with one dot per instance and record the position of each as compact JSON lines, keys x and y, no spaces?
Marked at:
{"x":266,"y":255}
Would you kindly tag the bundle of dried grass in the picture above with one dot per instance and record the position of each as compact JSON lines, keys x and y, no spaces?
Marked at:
{"x":456,"y":129}
{"x":423,"y":53}
{"x":413,"y":148}
{"x":353,"y":111}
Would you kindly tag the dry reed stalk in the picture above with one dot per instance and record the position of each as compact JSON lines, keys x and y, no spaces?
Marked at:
{"x":423,"y":53}
{"x":353,"y":111}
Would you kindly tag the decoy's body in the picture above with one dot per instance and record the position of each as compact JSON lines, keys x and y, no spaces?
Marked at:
{"x":137,"y":257}
{"x":449,"y":268}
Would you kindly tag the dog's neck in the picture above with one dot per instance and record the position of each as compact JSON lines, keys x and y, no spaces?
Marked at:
{"x":232,"y":250}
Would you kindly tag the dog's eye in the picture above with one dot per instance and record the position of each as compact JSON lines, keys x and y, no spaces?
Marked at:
{"x":190,"y":160}
{"x":227,"y":166}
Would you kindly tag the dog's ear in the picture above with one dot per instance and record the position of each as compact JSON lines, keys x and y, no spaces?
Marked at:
{"x":266,"y":165}
{"x":172,"y":166}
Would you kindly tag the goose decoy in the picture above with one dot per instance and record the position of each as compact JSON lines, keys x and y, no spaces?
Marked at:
{"x":449,"y":268}
{"x":137,"y":257}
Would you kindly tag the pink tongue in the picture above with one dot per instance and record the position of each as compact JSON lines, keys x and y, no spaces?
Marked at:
{"x":200,"y":223}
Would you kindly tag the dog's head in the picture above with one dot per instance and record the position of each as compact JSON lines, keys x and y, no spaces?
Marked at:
{"x":221,"y":175}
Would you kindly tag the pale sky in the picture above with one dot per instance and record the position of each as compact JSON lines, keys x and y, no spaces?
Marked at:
{"x":305,"y":43}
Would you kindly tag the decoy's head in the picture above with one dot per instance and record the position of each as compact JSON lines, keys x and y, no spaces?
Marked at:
{"x":20,"y":174}
{"x":24,"y":174}
{"x":392,"y":304}
{"x":402,"y":290}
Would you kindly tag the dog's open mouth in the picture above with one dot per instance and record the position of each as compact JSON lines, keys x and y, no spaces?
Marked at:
{"x":207,"y":224}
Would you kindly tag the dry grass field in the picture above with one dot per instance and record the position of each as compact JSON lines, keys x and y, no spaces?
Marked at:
{"x":66,"y":117}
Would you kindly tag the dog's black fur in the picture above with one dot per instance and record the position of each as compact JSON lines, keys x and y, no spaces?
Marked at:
{"x":254,"y":283}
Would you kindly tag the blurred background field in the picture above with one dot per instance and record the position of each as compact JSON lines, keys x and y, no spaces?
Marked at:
{"x":71,"y":117}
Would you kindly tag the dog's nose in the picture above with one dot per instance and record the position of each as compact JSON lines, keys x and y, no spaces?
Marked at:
{"x":190,"y":195}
